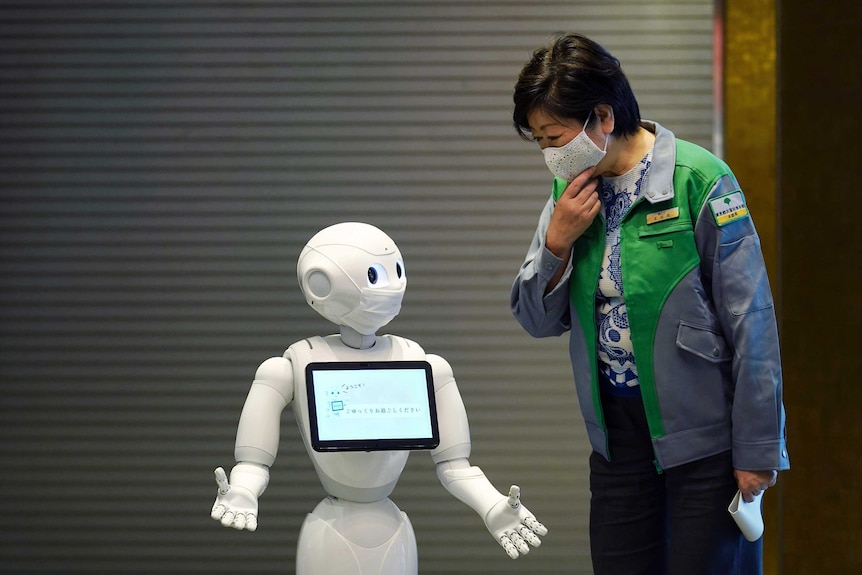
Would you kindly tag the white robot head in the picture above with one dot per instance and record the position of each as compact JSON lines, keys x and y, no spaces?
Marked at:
{"x":353,"y":275}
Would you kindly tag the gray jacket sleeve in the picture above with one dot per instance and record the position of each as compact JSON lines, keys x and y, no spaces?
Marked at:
{"x":735,"y":272}
{"x":539,"y":314}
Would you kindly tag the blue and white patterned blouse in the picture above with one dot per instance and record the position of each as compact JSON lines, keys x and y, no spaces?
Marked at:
{"x":616,"y":355}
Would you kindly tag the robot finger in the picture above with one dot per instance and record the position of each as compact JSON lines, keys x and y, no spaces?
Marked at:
{"x":536,"y":526}
{"x":514,"y":500}
{"x":251,"y":521}
{"x":221,"y":481}
{"x":239,"y":522}
{"x":510,"y":548}
{"x":227,"y":518}
{"x":529,"y":536}
{"x":519,"y":542}
{"x":218,"y":511}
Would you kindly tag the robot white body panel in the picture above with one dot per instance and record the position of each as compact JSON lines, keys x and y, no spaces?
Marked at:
{"x":357,"y":530}
{"x":346,"y":538}
{"x":361,"y":476}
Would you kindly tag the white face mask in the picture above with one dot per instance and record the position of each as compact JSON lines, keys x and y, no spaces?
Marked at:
{"x":568,"y":161}
{"x":376,"y":308}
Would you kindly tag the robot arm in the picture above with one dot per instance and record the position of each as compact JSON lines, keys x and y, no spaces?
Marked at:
{"x":511,"y":524}
{"x":256,"y":446}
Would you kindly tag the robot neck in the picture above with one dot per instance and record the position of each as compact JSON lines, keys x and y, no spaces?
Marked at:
{"x":352,"y":338}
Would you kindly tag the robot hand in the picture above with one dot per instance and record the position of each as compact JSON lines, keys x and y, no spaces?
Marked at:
{"x":236,"y":505}
{"x":513,"y":525}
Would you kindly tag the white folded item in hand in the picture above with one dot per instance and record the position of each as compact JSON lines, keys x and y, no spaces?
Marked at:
{"x":748,"y":516}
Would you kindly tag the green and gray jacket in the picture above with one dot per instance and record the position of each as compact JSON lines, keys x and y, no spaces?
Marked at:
{"x":699,"y":306}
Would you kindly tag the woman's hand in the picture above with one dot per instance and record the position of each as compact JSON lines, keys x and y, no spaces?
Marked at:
{"x":575,"y":211}
{"x":752,"y":483}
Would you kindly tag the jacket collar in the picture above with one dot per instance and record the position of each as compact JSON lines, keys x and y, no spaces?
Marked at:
{"x":659,"y":184}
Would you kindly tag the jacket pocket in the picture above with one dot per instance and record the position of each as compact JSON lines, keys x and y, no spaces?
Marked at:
{"x":703,"y":342}
{"x":664,"y":228}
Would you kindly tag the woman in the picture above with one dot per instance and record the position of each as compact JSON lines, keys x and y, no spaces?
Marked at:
{"x":647,"y":255}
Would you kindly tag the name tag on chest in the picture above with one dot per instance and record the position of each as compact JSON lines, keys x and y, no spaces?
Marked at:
{"x":664,"y":215}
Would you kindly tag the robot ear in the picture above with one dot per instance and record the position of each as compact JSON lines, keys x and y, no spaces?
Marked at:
{"x":317,"y":283}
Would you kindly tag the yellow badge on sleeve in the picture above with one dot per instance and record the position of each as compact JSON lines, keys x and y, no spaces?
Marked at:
{"x":729,"y":208}
{"x":663,"y":215}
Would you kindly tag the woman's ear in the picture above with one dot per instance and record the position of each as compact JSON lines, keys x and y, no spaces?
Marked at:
{"x":605,"y":114}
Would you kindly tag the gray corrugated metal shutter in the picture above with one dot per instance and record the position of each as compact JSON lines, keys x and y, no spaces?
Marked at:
{"x":162,"y":165}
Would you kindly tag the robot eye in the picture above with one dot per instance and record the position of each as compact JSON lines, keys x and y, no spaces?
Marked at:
{"x":399,"y":269}
{"x":377,"y":276}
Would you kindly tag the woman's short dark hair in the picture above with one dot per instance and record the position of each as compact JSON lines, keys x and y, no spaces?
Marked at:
{"x":570,"y":77}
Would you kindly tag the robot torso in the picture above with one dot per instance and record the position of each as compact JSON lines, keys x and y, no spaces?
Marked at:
{"x":350,"y":475}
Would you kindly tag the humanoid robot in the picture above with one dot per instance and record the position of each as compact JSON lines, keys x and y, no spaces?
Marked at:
{"x":353,"y":275}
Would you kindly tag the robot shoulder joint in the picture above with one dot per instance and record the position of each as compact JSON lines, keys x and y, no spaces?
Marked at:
{"x":443,"y":373}
{"x":277,"y":372}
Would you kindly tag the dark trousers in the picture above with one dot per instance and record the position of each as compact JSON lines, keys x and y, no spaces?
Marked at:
{"x":672,"y":523}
